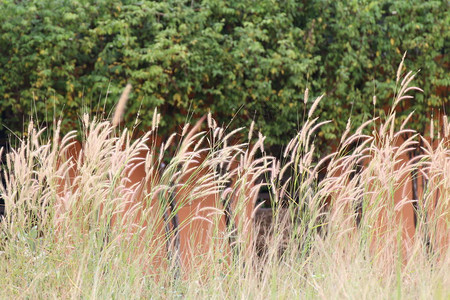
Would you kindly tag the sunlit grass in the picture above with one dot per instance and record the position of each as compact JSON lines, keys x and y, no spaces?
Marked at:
{"x":76,"y":227}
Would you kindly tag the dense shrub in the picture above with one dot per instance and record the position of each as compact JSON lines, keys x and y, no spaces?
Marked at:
{"x":248,"y":59}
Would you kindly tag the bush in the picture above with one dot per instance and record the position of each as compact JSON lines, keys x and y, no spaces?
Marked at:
{"x":242,"y":59}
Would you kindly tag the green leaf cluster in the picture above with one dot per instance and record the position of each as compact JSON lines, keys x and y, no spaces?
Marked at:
{"x":241,"y":59}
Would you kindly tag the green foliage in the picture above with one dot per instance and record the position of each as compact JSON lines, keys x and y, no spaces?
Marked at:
{"x":243,"y":59}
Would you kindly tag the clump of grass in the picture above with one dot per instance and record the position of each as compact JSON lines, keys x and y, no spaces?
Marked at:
{"x":77,"y":226}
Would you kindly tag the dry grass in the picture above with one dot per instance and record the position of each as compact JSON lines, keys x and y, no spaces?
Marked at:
{"x":76,"y":227}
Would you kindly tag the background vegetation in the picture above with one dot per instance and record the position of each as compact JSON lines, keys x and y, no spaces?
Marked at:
{"x":243,"y":59}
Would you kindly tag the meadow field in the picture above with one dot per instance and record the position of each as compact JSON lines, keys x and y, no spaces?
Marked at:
{"x":79,"y":224}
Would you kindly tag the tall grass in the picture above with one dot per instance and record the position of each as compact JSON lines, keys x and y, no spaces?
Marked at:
{"x":77,"y":227}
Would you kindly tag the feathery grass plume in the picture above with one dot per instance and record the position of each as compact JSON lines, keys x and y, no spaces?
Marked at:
{"x":216,"y":133}
{"x":404,"y":88}
{"x":432,"y":128}
{"x":364,"y":125}
{"x":185,"y":129}
{"x":314,"y":106}
{"x":405,"y":122}
{"x":346,"y":132}
{"x":446,"y":126}
{"x":210,"y":123}
{"x":312,"y":131}
{"x":120,"y":108}
{"x":155,"y":119}
{"x":250,"y":132}
{"x":169,"y":141}
{"x":400,"y":67}
{"x":191,"y":136}
{"x":435,"y":204}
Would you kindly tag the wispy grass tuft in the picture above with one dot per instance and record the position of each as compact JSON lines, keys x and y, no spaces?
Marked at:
{"x":116,"y":217}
